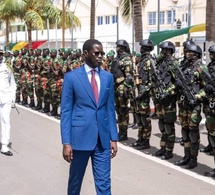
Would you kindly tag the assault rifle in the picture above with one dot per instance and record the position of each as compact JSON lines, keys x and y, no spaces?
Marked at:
{"x":186,"y":86}
{"x":160,"y":85}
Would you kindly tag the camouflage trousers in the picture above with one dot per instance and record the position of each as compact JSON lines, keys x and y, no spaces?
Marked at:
{"x":143,"y":120}
{"x":190,"y":119}
{"x":166,"y":122}
{"x":38,"y":88}
{"x":210,"y":124}
{"x":121,"y":106}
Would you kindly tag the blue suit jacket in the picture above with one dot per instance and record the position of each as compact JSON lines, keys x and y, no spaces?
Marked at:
{"x":82,"y":120}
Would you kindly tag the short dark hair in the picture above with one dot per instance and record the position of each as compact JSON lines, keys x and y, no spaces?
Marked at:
{"x":88,"y":44}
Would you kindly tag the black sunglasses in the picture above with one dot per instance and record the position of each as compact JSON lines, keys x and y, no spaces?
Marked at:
{"x":98,"y":52}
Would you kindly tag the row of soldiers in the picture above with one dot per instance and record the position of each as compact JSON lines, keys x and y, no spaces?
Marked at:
{"x":40,"y":72}
{"x":138,"y":79}
{"x":168,"y":82}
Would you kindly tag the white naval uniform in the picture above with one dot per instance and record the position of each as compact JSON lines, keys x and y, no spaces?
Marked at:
{"x":7,"y":96}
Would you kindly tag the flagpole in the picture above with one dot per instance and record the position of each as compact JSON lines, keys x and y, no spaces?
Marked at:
{"x":63,"y":23}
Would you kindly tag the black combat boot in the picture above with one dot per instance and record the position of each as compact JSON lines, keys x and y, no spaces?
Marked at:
{"x":181,"y":141}
{"x":31,"y":105}
{"x":46,"y":108}
{"x":123,"y":136}
{"x":137,"y":143}
{"x":39,"y":106}
{"x":167,"y":155}
{"x":144,"y":145}
{"x":192,"y":163}
{"x":184,"y":161}
{"x":212,"y":173}
{"x":206,"y":149}
{"x":24,"y":102}
{"x":17,"y":99}
{"x":53,"y":112}
{"x":160,"y":152}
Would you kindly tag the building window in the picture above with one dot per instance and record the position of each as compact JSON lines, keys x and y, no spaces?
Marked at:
{"x":162,"y":17}
{"x":107,"y":19}
{"x":184,"y":17}
{"x":100,"y":20}
{"x":114,"y":19}
{"x":170,"y":16}
{"x":151,"y":18}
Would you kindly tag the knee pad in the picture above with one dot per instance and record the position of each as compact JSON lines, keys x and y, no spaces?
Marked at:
{"x":193,"y":137}
{"x":212,"y":140}
{"x":168,"y":128}
{"x":161,"y":125}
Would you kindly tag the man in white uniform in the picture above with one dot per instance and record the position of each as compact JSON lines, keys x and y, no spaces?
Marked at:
{"x":7,"y":99}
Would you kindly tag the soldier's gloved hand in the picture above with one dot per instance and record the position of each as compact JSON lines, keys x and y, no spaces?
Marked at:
{"x":129,"y":80}
{"x":178,"y":83}
{"x":209,"y":89}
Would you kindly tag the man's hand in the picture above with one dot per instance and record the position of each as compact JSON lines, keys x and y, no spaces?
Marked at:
{"x":113,"y":149}
{"x":67,"y":152}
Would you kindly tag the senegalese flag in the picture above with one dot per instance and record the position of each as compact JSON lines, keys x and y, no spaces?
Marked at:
{"x":160,"y":36}
{"x":19,"y":45}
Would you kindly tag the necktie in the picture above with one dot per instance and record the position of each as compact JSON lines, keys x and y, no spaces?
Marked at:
{"x":94,"y":85}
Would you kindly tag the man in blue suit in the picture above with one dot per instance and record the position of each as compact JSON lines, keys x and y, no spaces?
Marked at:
{"x":88,"y":120}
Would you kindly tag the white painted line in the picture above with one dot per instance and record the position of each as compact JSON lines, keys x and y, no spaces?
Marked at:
{"x":149,"y":157}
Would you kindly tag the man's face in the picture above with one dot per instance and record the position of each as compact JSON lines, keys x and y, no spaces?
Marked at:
{"x":94,"y":57}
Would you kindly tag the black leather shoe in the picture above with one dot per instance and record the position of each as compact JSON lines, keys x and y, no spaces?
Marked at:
{"x":160,"y":152}
{"x":182,"y":162}
{"x":167,"y":155}
{"x":206,"y":149}
{"x":191,"y":164}
{"x":143,"y":146}
{"x":8,"y":153}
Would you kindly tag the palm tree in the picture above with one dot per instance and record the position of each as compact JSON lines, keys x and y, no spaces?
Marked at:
{"x":9,"y":10}
{"x":92,"y":19}
{"x":210,"y":22}
{"x":36,"y":12}
{"x":130,"y":8}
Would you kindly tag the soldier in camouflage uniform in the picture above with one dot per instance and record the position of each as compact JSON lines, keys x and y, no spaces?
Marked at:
{"x":165,"y":94}
{"x":192,"y":92}
{"x":37,"y":69}
{"x":183,"y":66}
{"x":44,"y":77}
{"x":30,"y":79}
{"x":122,"y":68}
{"x":17,"y":66}
{"x":143,"y":98}
{"x":24,"y":76}
{"x":209,"y":103}
{"x":55,"y":83}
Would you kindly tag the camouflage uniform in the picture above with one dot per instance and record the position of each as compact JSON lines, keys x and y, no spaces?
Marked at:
{"x":17,"y":66}
{"x":121,"y":68}
{"x":143,"y":99}
{"x":37,"y":77}
{"x":55,"y":83}
{"x":166,"y":99}
{"x":209,"y":103}
{"x":190,"y":115}
{"x":24,"y":76}
{"x":45,"y":76}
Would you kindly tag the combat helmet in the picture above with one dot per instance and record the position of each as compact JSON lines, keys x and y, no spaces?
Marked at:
{"x":147,"y":43}
{"x":196,"y":49}
{"x":167,"y":45}
{"x":212,"y":49}
{"x":123,"y":43}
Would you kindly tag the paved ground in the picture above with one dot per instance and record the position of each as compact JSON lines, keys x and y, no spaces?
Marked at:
{"x":37,"y":167}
